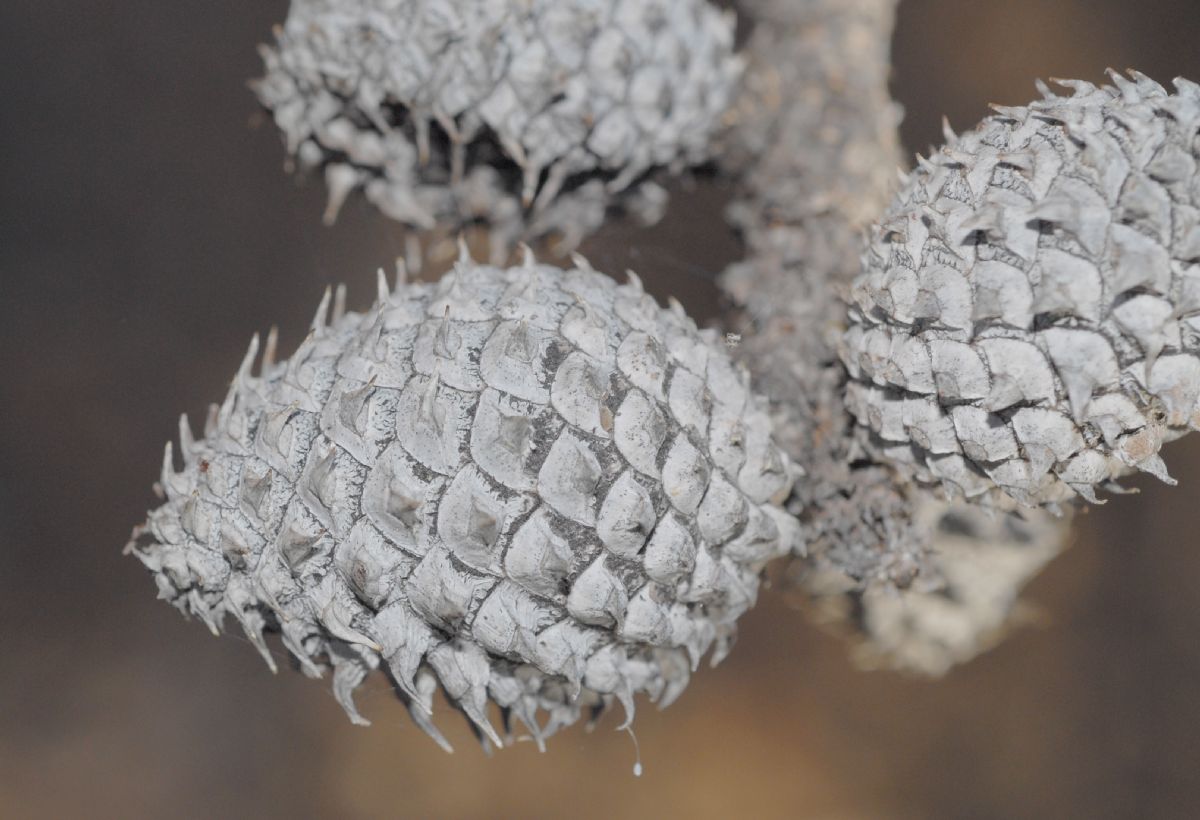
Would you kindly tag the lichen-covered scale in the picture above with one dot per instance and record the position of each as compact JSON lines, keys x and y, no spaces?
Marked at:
{"x":492,"y":484}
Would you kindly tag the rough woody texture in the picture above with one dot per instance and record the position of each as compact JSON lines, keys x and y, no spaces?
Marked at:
{"x":457,"y":111}
{"x":1027,"y":326}
{"x":815,"y":133}
{"x":535,"y":487}
{"x":921,"y":584}
{"x":964,"y":602}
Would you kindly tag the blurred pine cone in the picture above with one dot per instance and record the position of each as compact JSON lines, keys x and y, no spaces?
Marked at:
{"x":476,"y":110}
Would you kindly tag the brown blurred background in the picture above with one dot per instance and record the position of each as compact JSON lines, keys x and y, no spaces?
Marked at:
{"x":146,"y":230}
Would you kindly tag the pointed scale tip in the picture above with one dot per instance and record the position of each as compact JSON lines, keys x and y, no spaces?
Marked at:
{"x":168,"y":465}
{"x":625,"y":698}
{"x":211,"y":419}
{"x":1011,"y":112}
{"x":187,"y":441}
{"x":247,"y":365}
{"x":1078,"y":88}
{"x":339,"y":302}
{"x":264,"y":651}
{"x":382,"y":291}
{"x":1155,"y":466}
{"x":272,"y":348}
{"x":319,"y":318}
{"x":486,"y":731}
{"x":581,"y":262}
{"x":947,"y":132}
{"x":1186,"y":87}
{"x":1137,"y":76}
{"x":132,"y":544}
{"x":340,"y":627}
{"x":426,"y":725}
{"x":340,"y":181}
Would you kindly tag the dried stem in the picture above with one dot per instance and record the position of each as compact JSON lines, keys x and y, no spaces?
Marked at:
{"x":817,"y":119}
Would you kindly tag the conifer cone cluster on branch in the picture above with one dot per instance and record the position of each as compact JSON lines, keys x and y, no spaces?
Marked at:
{"x":534,"y":488}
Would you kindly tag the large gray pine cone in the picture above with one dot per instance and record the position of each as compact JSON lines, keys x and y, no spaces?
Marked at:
{"x":1027,"y":325}
{"x":534,"y":486}
{"x":466,"y":110}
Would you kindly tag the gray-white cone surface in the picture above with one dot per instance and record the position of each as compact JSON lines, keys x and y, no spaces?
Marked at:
{"x":492,"y":110}
{"x":1027,"y":326}
{"x":534,"y":487}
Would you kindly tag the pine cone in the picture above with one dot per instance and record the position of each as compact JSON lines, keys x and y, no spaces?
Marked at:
{"x":466,"y":110}
{"x":532,"y":485}
{"x":1026,"y":327}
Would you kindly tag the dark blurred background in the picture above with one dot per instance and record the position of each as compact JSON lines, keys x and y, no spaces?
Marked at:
{"x":146,"y":230}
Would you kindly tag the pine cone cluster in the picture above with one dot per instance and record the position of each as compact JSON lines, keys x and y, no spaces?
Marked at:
{"x":533,"y":486}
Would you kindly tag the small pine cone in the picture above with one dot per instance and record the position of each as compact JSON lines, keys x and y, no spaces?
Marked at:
{"x":466,"y":110}
{"x":531,"y":485}
{"x":1027,"y":326}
